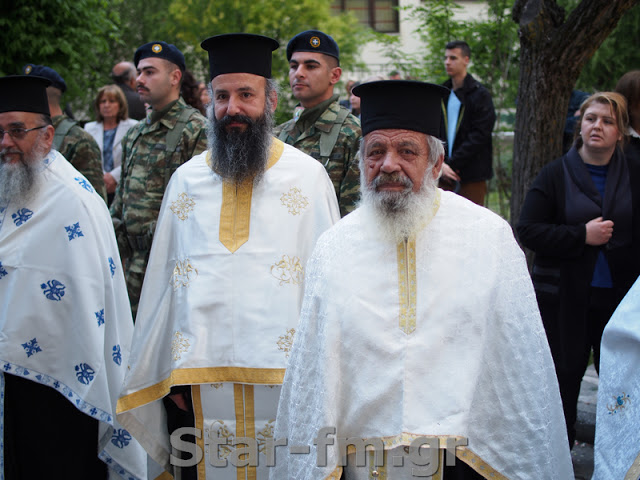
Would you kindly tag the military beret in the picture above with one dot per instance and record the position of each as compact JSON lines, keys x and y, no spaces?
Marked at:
{"x":160,"y":50}
{"x":401,"y":104}
{"x":313,"y":41}
{"x":46,"y":72}
{"x":24,"y":93}
{"x":240,"y":53}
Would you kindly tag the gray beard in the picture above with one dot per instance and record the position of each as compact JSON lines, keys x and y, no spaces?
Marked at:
{"x":399,"y":215}
{"x":240,"y":156}
{"x":19,"y":181}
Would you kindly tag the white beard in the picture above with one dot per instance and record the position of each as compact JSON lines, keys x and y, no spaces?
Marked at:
{"x":19,"y":181}
{"x":399,"y":215}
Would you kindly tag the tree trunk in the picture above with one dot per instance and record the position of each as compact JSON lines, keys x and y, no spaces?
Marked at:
{"x":553,"y":51}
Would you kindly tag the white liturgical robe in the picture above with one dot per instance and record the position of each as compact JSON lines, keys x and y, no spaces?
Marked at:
{"x":617,"y":447}
{"x":66,"y":321}
{"x":435,"y":338}
{"x":221,"y":300}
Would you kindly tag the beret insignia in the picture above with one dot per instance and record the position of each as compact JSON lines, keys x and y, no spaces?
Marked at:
{"x":315,"y":42}
{"x":27,"y":69}
{"x":157,"y":48}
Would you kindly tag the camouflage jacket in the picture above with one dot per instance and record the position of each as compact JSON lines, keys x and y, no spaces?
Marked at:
{"x":147,"y":167}
{"x":342,"y":165}
{"x":82,"y":151}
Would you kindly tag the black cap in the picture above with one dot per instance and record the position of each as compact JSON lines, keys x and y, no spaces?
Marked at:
{"x":240,"y":53}
{"x":160,"y":50}
{"x":313,"y":41}
{"x":24,"y":93}
{"x":46,"y":72}
{"x":402,"y":104}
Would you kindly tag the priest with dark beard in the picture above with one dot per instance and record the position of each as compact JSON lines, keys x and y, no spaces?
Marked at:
{"x":224,"y":283}
{"x":419,"y":327}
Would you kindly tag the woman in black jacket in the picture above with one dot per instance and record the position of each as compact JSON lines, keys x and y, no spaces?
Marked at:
{"x":581,"y":220}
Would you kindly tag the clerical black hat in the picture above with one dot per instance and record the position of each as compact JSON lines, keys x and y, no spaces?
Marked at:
{"x":160,"y":50}
{"x":240,"y":53}
{"x":46,"y":72}
{"x":313,"y":41}
{"x":24,"y":93}
{"x":401,"y":104}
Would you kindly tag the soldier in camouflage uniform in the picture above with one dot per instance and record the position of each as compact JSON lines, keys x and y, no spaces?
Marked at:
{"x":71,"y":140}
{"x":151,"y":151}
{"x":321,"y":127}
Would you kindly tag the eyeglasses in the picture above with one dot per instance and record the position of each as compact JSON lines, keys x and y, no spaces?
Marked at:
{"x":18,"y":133}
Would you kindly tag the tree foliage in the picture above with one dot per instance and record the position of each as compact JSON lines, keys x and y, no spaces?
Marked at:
{"x":554,"y":49}
{"x":72,"y":37}
{"x":83,"y":39}
{"x":195,"y":20}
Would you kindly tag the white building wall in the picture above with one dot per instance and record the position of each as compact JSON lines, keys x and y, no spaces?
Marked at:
{"x":372,"y":53}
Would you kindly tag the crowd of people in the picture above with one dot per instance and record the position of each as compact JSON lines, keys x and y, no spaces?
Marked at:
{"x":189,"y":291}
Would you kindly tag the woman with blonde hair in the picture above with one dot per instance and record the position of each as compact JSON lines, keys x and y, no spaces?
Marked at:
{"x":581,"y":219}
{"x":112,"y":123}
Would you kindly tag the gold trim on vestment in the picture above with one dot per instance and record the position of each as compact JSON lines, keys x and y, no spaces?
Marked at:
{"x":164,"y":476}
{"x":245,"y":426}
{"x":335,"y":475}
{"x":195,"y":376}
{"x":634,"y":471}
{"x":238,"y":400}
{"x":407,"y":284}
{"x":407,"y":280}
{"x":478,"y":464}
{"x":250,"y":423}
{"x":235,"y":213}
{"x":463,"y":453}
{"x":199,"y":423}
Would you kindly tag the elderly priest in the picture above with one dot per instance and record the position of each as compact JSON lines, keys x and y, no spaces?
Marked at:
{"x":65,"y":322}
{"x":419,"y":327}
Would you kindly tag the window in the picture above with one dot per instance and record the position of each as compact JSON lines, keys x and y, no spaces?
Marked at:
{"x":381,"y":15}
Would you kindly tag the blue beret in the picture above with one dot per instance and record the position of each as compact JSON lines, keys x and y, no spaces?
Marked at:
{"x":46,"y":72}
{"x":401,"y":104}
{"x":313,"y":41}
{"x":160,"y":50}
{"x":240,"y":53}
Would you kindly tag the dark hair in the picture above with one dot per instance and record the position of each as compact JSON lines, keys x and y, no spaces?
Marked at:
{"x":629,"y":87}
{"x":190,"y":91}
{"x":113,"y":91}
{"x":462,"y":45}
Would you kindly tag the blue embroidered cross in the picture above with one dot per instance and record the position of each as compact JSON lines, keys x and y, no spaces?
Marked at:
{"x":31,"y":347}
{"x":74,"y":231}
{"x":21,"y":216}
{"x":84,"y":184}
{"x":7,"y":367}
{"x":100,"y":317}
{"x":120,"y":438}
{"x":53,"y":290}
{"x":3,"y":272}
{"x":117,"y":355}
{"x":85,"y":373}
{"x":112,"y":266}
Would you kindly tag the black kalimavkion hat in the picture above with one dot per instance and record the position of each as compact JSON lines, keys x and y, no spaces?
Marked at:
{"x":401,"y":104}
{"x":240,"y":53}
{"x":24,"y":93}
